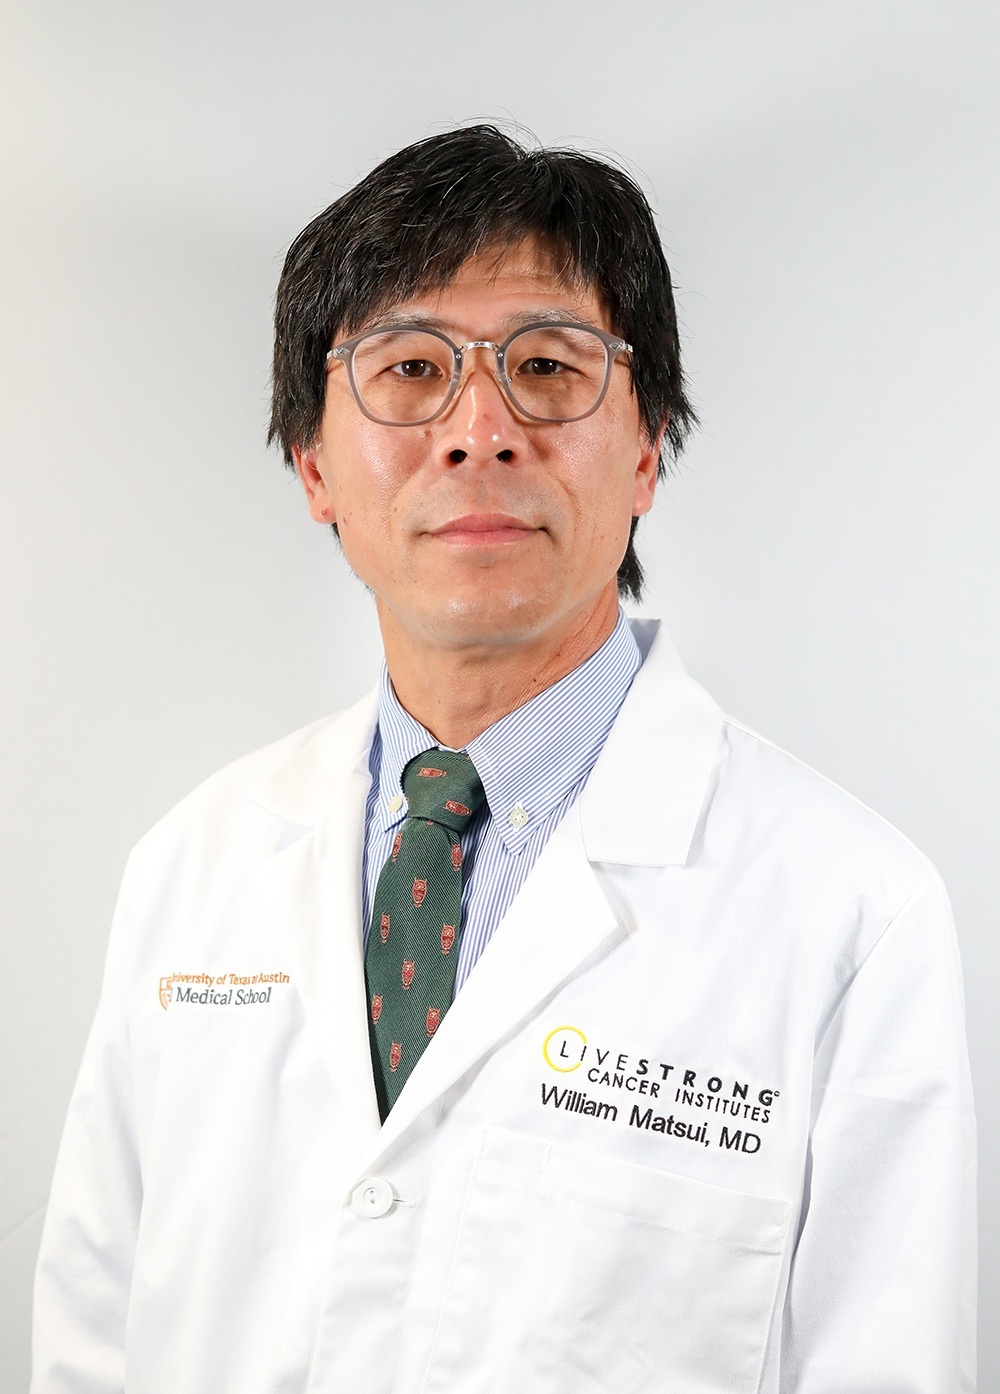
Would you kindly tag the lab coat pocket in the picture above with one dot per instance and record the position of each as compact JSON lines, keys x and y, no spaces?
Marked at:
{"x":576,"y":1273}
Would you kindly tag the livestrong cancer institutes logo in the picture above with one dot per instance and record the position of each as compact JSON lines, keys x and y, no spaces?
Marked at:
{"x":220,"y":989}
{"x":623,"y":1088}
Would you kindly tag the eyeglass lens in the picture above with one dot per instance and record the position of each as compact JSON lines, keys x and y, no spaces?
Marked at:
{"x":556,"y":373}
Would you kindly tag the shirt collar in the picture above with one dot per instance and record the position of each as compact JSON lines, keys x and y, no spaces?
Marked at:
{"x":530,"y":759}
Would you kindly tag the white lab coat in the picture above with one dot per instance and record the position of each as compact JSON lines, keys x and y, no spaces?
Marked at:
{"x":700,"y":1119}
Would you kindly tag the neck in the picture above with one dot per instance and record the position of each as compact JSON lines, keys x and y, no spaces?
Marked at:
{"x":456,"y":692}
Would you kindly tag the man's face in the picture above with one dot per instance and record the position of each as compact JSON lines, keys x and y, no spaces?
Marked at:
{"x":483,"y":529}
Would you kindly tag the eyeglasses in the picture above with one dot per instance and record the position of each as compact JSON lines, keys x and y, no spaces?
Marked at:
{"x":407,"y":375}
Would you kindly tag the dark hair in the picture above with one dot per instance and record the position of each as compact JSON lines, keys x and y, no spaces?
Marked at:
{"x":421,"y":214}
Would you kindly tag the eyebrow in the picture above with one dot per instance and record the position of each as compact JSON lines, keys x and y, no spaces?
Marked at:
{"x":546,"y":315}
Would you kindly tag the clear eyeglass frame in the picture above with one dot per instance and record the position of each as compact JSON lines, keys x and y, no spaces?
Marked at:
{"x":344,"y":353}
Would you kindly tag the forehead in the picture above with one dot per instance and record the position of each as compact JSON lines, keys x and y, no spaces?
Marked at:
{"x":501,"y":285}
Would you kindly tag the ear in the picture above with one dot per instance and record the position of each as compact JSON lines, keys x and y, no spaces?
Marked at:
{"x":647,"y":465}
{"x":311,"y":469}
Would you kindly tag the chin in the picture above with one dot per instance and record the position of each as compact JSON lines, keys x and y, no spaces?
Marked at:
{"x":507,"y":617}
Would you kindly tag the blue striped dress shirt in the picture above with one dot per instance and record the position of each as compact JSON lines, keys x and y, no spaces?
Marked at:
{"x":533,"y":764}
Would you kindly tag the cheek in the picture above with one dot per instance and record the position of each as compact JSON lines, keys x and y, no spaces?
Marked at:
{"x":370,"y":469}
{"x":602,"y":488}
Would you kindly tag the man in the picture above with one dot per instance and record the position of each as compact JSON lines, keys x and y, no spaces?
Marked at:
{"x":530,"y":1026}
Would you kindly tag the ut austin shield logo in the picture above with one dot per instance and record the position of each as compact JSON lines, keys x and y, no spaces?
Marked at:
{"x":419,"y":891}
{"x":166,"y":985}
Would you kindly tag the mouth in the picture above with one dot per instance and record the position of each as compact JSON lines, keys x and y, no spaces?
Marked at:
{"x":484,"y":530}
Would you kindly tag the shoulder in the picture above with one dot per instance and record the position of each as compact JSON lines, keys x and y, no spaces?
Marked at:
{"x":770,"y":800}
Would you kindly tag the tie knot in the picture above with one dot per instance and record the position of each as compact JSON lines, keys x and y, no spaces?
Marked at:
{"x":443,"y":785}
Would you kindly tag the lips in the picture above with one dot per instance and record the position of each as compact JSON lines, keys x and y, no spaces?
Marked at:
{"x":484,"y":528}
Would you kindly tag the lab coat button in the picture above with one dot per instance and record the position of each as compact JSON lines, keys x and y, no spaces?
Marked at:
{"x":373,"y":1198}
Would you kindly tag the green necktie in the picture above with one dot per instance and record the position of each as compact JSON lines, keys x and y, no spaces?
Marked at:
{"x":416,"y":917}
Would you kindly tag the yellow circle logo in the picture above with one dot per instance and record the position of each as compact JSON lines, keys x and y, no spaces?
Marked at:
{"x":563,"y":1048}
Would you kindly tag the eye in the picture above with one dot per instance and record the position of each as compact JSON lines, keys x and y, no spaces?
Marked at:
{"x":542,"y":367}
{"x":415,"y":368}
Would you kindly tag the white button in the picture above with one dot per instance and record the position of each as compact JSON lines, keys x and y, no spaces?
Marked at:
{"x":373,"y":1198}
{"x":518,"y":816}
{"x":395,"y":804}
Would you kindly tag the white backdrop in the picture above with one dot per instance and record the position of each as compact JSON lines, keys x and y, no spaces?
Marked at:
{"x":826,"y":181}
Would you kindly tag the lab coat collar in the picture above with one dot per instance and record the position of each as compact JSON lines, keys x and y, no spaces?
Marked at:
{"x":666,"y":736}
{"x":299,"y":788}
{"x":642,"y":802}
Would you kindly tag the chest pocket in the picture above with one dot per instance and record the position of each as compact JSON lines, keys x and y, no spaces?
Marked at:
{"x":576,"y":1273}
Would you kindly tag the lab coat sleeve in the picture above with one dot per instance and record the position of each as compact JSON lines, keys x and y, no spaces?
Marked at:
{"x":88,"y":1241}
{"x":881,"y":1294}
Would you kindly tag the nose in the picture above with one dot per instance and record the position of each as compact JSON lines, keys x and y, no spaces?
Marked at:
{"x":480,"y":424}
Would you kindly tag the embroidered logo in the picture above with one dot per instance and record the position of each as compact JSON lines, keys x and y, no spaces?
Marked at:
{"x":397,"y":842}
{"x":384,"y":928}
{"x":458,"y":808}
{"x":376,"y":1009}
{"x":447,"y":937}
{"x":456,"y":857}
{"x":433,"y":1020}
{"x":429,"y":772}
{"x":407,"y":974}
{"x":219,"y":989}
{"x":419,"y":891}
{"x":395,"y":1055}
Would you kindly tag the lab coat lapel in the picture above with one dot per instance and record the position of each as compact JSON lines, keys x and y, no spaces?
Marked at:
{"x":309,"y":895}
{"x":559,"y":919}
